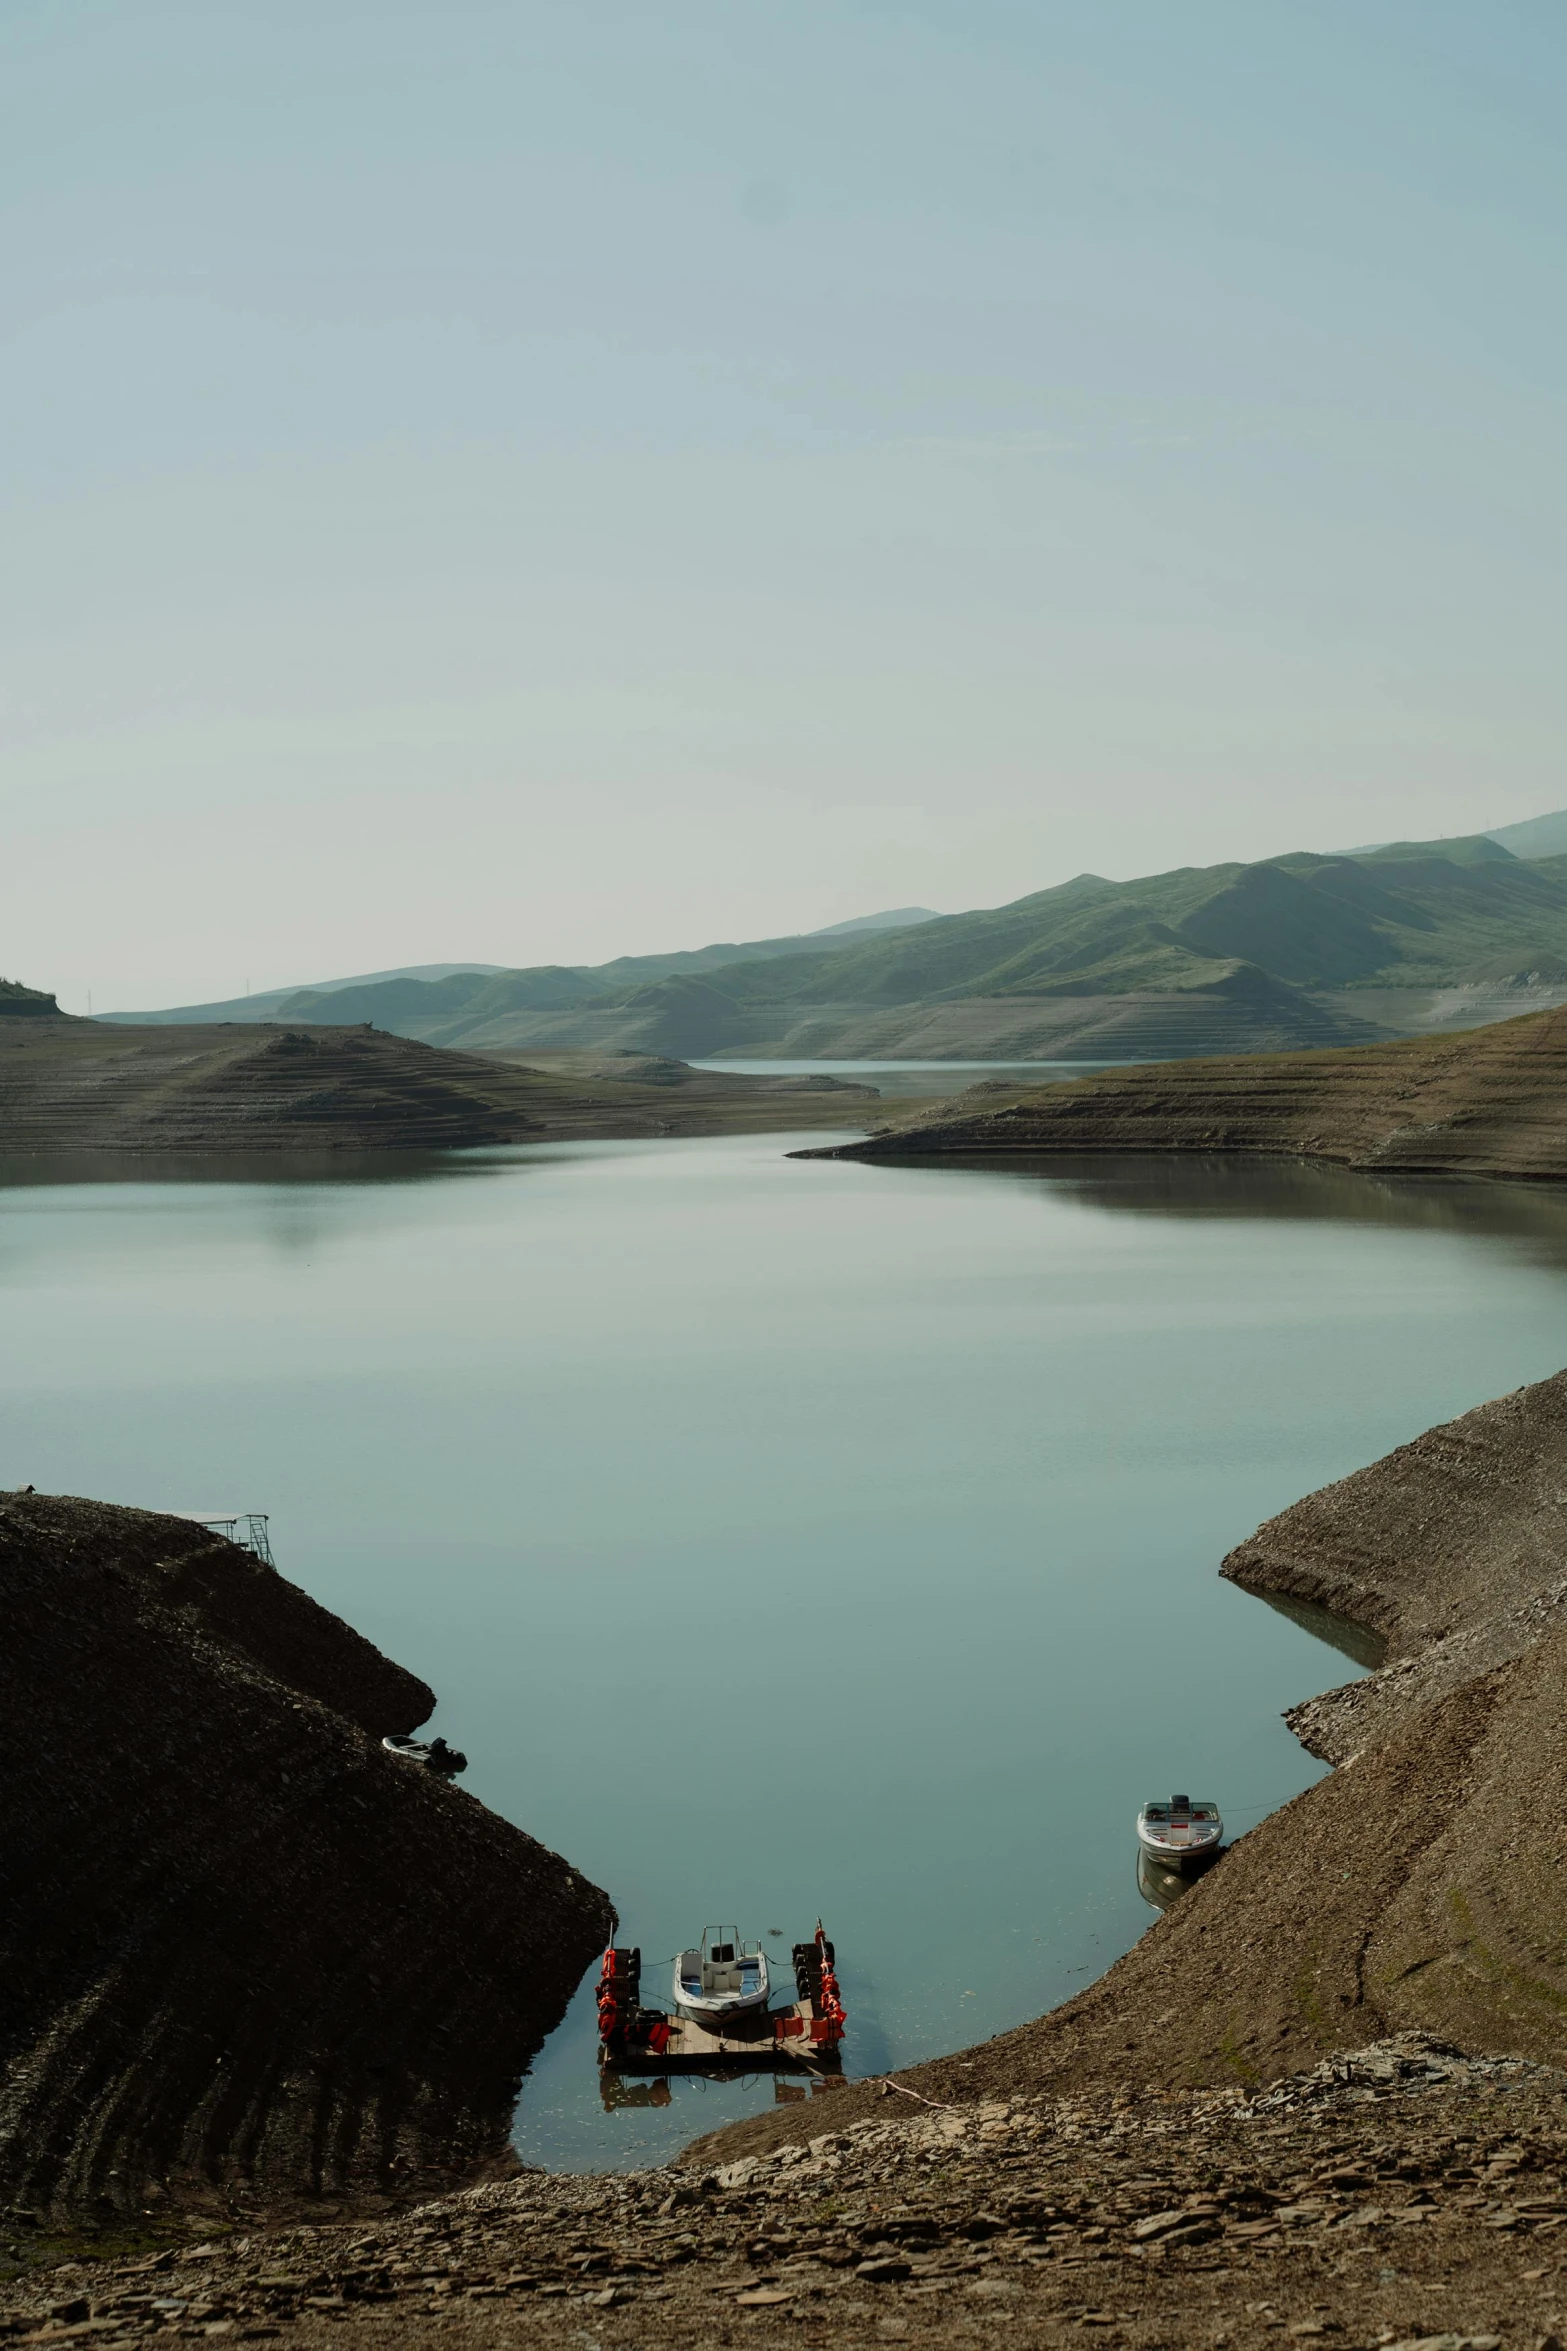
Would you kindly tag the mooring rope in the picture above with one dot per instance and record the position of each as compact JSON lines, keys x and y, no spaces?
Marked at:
{"x":880,"y":2082}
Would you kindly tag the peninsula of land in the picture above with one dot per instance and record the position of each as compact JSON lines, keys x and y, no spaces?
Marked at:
{"x":70,"y":1086}
{"x":251,"y":1961}
{"x":1482,"y":1102}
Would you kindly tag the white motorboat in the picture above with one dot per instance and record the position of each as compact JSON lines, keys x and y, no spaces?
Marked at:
{"x":1177,"y":1832}
{"x":431,"y":1754}
{"x":722,"y":1977}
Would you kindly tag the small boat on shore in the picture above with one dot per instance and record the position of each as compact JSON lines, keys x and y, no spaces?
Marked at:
{"x":719,"y":1979}
{"x":430,"y":1754}
{"x":1175,"y":1831}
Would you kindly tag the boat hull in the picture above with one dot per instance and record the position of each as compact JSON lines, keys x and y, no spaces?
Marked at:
{"x":713,"y":2012}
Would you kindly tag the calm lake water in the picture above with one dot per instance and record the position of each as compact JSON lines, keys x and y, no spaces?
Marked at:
{"x":786,"y":1537}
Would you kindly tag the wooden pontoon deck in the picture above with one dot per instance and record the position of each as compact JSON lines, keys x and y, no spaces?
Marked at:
{"x":749,"y":2042}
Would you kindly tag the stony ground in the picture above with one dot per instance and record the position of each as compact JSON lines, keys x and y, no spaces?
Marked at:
{"x":1487,"y":1101}
{"x":242,"y":1948}
{"x":1450,"y":1548}
{"x":72,"y":1086}
{"x":1402,"y":2195}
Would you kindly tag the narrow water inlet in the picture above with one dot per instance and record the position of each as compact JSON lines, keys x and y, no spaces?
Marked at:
{"x":713,"y":1490}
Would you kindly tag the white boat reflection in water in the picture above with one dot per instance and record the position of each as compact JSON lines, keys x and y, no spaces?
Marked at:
{"x":1160,"y":1884}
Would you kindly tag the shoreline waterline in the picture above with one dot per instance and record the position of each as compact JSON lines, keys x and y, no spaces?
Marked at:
{"x":949,"y":1458}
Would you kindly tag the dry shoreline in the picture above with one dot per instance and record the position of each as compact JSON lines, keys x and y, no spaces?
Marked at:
{"x":1478,"y":1102}
{"x":77,"y":1087}
{"x":1401,"y":2195}
{"x":1453,"y":1549}
{"x":251,"y":1961}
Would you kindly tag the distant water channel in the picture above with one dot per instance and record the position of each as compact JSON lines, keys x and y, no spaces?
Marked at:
{"x":900,"y":1078}
{"x":786,"y":1537}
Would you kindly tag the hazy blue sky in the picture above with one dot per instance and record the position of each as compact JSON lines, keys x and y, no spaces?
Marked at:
{"x":538,"y":482}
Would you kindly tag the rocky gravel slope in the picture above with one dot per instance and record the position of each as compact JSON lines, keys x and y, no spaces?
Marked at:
{"x":1400,"y":2195}
{"x":245,"y":1954}
{"x":1453,"y":1549}
{"x":69,"y":1086}
{"x":1489,"y":1101}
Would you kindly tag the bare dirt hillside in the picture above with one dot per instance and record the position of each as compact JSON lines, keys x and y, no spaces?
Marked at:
{"x":1401,"y":2196}
{"x":69,"y":1086}
{"x":247,"y":1955}
{"x":1453,"y":1549}
{"x":1489,"y":1101}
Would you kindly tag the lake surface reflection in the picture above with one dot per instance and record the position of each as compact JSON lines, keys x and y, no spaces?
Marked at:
{"x":786,"y":1537}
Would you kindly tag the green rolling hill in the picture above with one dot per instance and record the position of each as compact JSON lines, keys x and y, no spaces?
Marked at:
{"x":1293,"y":950}
{"x":19,"y":1003}
{"x":1287,"y":952}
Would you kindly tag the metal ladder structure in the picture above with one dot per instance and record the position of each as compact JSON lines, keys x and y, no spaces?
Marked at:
{"x":229,"y":1522}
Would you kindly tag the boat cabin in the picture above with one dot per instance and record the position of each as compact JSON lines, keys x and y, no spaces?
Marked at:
{"x":1180,"y":1812}
{"x":723,"y":1969}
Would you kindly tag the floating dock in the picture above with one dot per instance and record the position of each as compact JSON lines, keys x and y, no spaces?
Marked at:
{"x":803,"y":2037}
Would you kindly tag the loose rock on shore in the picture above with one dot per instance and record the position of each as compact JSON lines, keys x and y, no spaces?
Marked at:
{"x":1490,"y":1101}
{"x":248,"y":1960}
{"x":71,"y":1086}
{"x":1400,"y":2195}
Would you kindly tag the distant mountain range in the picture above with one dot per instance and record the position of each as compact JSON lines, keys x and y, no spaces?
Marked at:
{"x":1286,"y":952}
{"x":290,"y":1003}
{"x":896,"y":918}
{"x":266,"y":1003}
{"x":1537,"y":836}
